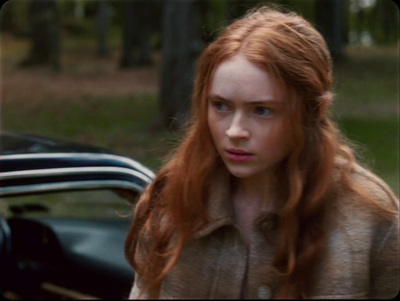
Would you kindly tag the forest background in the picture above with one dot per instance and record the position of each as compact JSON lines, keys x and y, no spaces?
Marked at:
{"x":118,"y":74}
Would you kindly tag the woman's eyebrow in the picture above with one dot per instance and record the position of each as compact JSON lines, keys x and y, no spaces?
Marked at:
{"x":267,"y":101}
{"x":217,"y":97}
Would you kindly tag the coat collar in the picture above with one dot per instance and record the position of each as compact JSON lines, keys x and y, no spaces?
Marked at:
{"x":219,"y":205}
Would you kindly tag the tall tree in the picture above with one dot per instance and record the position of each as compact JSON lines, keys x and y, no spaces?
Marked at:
{"x":103,"y":16}
{"x":45,"y":34}
{"x":141,"y":19}
{"x":127,"y":35}
{"x":330,"y":22}
{"x":136,"y":47}
{"x":180,"y":50}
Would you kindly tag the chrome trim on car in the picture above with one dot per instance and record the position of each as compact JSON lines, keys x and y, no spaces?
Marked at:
{"x":129,"y":161}
{"x":4,"y":191}
{"x":66,"y":293}
{"x":71,"y":171}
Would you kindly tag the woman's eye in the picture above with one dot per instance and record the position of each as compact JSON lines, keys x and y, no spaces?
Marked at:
{"x":220,"y":106}
{"x":262,"y":111}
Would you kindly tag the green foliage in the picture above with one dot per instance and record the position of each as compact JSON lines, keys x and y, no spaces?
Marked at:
{"x":307,"y":8}
{"x":77,"y":27}
{"x":377,"y":143}
{"x":381,"y":21}
{"x":213,"y":19}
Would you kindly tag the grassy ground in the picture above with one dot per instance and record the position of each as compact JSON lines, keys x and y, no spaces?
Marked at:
{"x":92,"y":101}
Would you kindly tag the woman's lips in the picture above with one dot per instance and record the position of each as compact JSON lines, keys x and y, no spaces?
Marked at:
{"x":238,"y":155}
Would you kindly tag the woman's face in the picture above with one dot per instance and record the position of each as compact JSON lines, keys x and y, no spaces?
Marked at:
{"x":247,"y":118}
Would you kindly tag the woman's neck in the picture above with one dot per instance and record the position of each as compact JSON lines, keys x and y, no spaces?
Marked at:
{"x":249,"y":197}
{"x":257,"y":191}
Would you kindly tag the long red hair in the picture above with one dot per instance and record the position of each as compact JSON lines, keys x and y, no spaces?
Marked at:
{"x":294,"y":52}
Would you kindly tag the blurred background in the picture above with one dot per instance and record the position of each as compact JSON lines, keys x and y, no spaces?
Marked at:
{"x":119,"y":74}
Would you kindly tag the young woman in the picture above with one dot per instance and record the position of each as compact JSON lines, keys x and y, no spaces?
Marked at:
{"x":264,"y":198}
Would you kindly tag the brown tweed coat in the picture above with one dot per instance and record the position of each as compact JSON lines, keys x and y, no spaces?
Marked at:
{"x":361,"y":259}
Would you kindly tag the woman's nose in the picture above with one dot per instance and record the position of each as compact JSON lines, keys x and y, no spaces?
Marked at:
{"x":237,"y":128}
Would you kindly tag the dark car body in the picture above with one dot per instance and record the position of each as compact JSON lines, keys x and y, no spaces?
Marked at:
{"x":53,"y":245}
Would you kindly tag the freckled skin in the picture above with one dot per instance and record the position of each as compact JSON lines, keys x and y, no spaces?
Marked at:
{"x":236,"y":122}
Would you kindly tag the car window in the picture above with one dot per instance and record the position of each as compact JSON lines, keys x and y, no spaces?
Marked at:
{"x":81,"y":204}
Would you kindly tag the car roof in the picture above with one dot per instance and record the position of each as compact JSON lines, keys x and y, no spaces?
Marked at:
{"x":32,"y":163}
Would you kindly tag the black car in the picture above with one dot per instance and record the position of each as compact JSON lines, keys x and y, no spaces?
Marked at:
{"x":65,"y":211}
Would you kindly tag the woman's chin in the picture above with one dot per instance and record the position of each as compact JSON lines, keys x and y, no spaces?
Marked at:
{"x":242,"y":172}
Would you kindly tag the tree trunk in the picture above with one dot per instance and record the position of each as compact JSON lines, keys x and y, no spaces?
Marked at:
{"x":141,"y":21}
{"x":136,"y":51}
{"x":103,"y":14}
{"x":45,"y":34}
{"x":180,"y":50}
{"x":127,"y":35}
{"x":330,"y":15}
